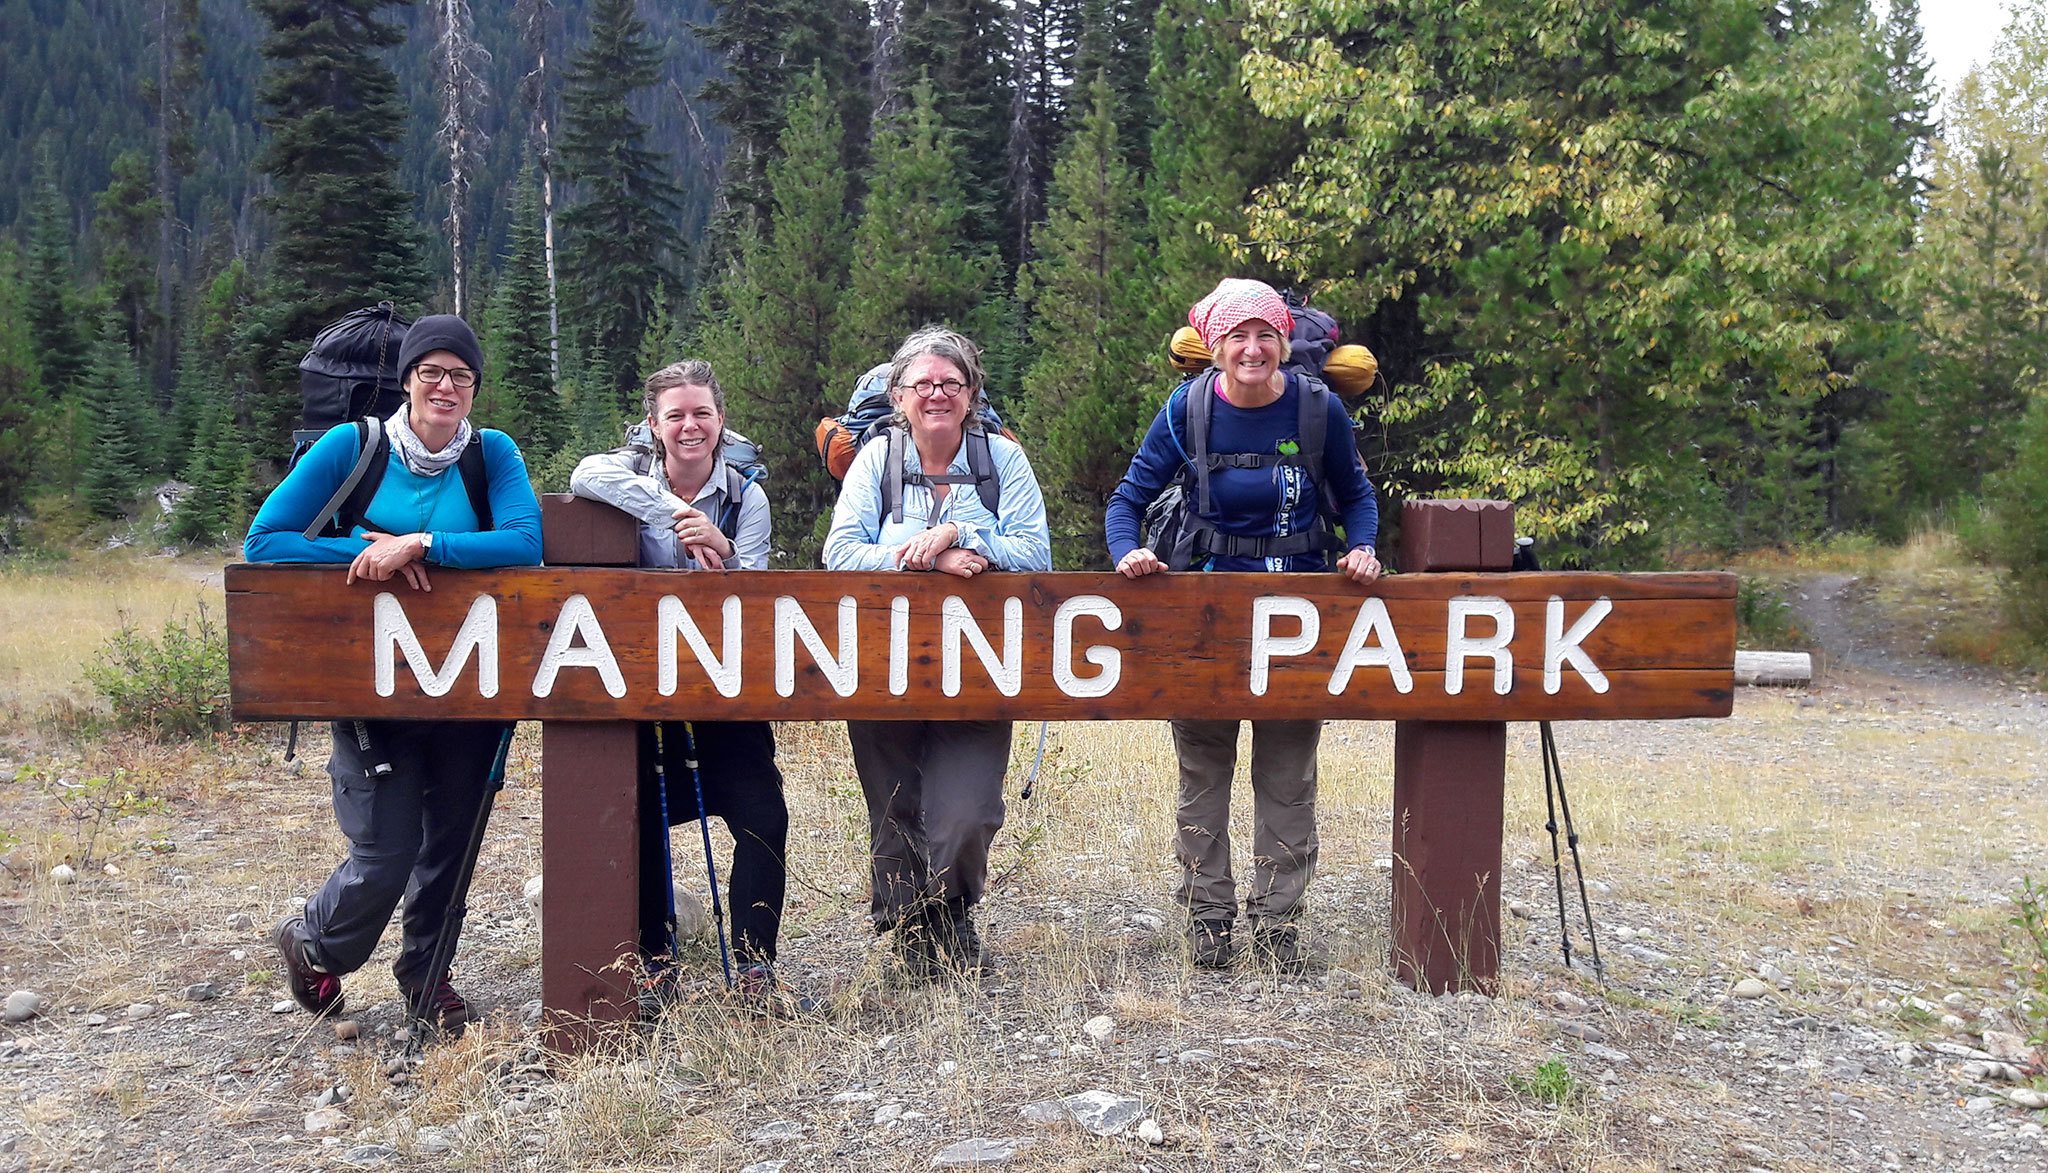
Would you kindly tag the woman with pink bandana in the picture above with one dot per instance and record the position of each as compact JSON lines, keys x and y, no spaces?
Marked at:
{"x":1262,"y":511}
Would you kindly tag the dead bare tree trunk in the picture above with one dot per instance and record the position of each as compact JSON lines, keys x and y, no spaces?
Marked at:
{"x":536,"y":17}
{"x":462,"y":94}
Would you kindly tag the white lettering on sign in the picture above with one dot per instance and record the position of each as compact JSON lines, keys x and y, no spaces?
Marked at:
{"x":673,"y":619}
{"x":1460,"y":644}
{"x":841,"y":669}
{"x":578,"y":642}
{"x":1108,"y":659}
{"x":1265,"y":646}
{"x":1007,"y":669}
{"x":899,"y":646}
{"x":1561,"y":645}
{"x":1373,"y":623}
{"x":479,"y":634}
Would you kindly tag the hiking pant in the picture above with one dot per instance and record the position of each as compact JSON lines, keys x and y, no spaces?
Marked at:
{"x":408,"y":831}
{"x":736,"y":761}
{"x":1283,"y":817}
{"x":934,"y":791}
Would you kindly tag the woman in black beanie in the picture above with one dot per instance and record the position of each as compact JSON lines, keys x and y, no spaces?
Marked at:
{"x":407,"y":793}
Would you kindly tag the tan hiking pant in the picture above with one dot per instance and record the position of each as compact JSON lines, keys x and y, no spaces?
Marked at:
{"x":1284,"y":841}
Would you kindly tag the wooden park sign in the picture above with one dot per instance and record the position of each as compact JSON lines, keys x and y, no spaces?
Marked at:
{"x":588,"y":648}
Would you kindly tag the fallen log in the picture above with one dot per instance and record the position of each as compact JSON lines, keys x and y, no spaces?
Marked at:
{"x":1774,"y":669}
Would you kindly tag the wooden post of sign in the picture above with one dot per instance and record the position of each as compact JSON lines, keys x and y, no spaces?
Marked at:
{"x":589,"y":819}
{"x":1450,"y":783}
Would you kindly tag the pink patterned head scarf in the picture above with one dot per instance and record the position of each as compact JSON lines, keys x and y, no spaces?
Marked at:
{"x":1235,"y":301}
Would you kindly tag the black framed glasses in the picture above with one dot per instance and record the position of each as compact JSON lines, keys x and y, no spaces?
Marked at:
{"x":926,"y":388}
{"x":431,"y":373}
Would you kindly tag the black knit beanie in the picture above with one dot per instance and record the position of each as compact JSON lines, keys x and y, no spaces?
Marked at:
{"x":440,"y":332}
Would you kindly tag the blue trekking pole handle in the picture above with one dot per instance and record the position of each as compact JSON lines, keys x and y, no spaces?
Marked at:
{"x":710,"y":868}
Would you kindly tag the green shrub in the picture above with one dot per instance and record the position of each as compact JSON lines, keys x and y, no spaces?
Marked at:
{"x":173,"y":685}
{"x":1763,"y":619}
{"x":1551,"y":1083}
{"x":2019,"y":503}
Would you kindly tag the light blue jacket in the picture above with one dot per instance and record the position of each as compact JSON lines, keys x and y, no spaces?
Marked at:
{"x":861,"y":538}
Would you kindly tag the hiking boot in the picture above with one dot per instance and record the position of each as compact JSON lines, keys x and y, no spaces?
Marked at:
{"x":1209,"y":944}
{"x":444,"y":1009}
{"x":959,"y":946}
{"x":757,"y":986}
{"x":915,"y":947}
{"x":311,"y":985}
{"x":1279,"y":946}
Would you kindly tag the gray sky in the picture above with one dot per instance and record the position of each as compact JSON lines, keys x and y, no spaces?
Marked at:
{"x":1958,"y":34}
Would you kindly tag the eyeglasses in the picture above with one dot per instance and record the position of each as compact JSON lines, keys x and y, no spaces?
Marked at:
{"x":925,"y":388}
{"x":460,"y":376}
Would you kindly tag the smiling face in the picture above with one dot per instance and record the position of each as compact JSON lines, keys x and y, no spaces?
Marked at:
{"x":688,"y":423}
{"x":438,"y":408}
{"x":936,"y":420}
{"x":1251,"y":353}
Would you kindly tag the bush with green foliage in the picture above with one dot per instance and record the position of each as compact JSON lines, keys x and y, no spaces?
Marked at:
{"x":173,"y":685}
{"x":2019,"y":505}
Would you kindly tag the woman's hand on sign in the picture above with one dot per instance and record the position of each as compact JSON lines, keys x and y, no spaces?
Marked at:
{"x":958,"y":560}
{"x":701,"y":538}
{"x":1139,"y":563}
{"x":1360,"y":565}
{"x":391,"y":554}
{"x":922,"y":552}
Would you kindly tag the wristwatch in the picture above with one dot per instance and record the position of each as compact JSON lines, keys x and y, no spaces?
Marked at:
{"x":426,"y":544}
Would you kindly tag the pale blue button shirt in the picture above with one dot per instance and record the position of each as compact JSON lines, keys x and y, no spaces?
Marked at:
{"x":861,"y":538}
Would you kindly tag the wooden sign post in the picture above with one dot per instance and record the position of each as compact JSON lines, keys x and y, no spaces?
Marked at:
{"x":589,"y":646}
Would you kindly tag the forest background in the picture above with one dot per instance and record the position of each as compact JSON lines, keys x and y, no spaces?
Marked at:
{"x":1679,"y":277}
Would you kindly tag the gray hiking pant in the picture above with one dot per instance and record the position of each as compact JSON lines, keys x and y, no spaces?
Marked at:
{"x":407,"y":833}
{"x":934,"y":791}
{"x":1284,"y":841}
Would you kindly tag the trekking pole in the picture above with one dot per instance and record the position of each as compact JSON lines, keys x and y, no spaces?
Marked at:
{"x":455,"y":913}
{"x":668,"y":858}
{"x":1031,"y":779}
{"x":1553,"y":769}
{"x":710,"y":868}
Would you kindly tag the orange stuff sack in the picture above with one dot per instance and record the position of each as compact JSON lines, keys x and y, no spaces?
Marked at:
{"x":1186,"y":351}
{"x":1350,"y":370}
{"x":836,"y":446}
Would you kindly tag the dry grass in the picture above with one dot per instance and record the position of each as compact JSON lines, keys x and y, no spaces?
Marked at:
{"x":55,"y":616}
{"x":1885,"y":821}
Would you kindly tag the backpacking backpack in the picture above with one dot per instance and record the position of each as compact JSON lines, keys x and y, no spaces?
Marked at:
{"x":1177,"y":526}
{"x":840,"y":438}
{"x":1315,"y":349}
{"x":739,"y":456}
{"x":350,"y":372}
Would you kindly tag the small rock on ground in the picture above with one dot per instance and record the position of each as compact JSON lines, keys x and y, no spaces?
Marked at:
{"x":776,"y":1130}
{"x":1101,"y":1112}
{"x":1099,"y":1028}
{"x":370,"y":1154}
{"x":980,"y":1150}
{"x":1749,"y":988}
{"x":23,"y":1005}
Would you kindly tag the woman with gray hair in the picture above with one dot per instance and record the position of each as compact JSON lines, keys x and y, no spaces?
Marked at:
{"x":697,"y":512}
{"x":935,"y":492}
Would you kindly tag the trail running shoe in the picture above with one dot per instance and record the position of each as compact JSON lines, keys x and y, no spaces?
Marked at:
{"x":312,"y":986}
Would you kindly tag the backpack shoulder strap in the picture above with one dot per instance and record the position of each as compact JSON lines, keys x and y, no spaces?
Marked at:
{"x":982,"y":464}
{"x":1313,"y":423}
{"x":370,"y":444}
{"x":1200,"y":392}
{"x":476,"y":481}
{"x":892,"y":476}
{"x":736,"y":483}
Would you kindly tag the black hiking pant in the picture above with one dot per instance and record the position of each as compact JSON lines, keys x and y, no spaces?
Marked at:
{"x":743,"y":786}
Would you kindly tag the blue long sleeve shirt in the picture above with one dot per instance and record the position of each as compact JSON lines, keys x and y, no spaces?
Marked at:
{"x":862,"y":538}
{"x":1250,"y":502}
{"x":405,"y":503}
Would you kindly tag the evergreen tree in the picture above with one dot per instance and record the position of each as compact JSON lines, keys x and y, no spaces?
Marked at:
{"x":218,"y":470}
{"x":110,"y":396}
{"x":1909,"y":75}
{"x":21,"y":392}
{"x":961,"y":50}
{"x":913,"y":264}
{"x":345,"y":231}
{"x":49,"y":283}
{"x":1086,"y":406}
{"x":619,"y":238}
{"x":172,"y":94}
{"x":125,"y":230}
{"x":781,"y":300}
{"x":1113,"y":38}
{"x":522,"y":386}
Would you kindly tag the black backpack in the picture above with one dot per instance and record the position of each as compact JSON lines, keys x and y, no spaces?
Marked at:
{"x":351,"y":372}
{"x":1177,"y":525}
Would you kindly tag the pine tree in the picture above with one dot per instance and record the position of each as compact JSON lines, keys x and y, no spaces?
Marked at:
{"x":21,"y":392}
{"x":1085,"y":394}
{"x":961,"y":50}
{"x":49,"y":283}
{"x":125,"y":230}
{"x":218,"y":469}
{"x":619,"y":239}
{"x":913,"y":264}
{"x":521,"y":382}
{"x":781,"y":300}
{"x":110,"y":395}
{"x":172,"y":95}
{"x":345,"y":231}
